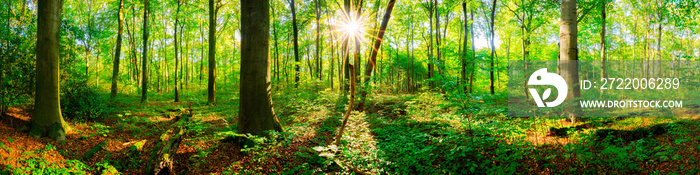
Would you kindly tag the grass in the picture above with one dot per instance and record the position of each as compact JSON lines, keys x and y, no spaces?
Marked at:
{"x":423,"y":133}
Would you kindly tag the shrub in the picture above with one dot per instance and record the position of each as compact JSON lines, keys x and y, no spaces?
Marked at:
{"x":82,"y":102}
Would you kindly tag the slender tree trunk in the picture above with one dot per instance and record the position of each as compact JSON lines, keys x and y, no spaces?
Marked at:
{"x":377,"y":43}
{"x":211,"y":85}
{"x":634,"y":40}
{"x":658,"y":41}
{"x":256,"y":114}
{"x":493,"y":47}
{"x":473,"y":65}
{"x":177,"y":89}
{"x":87,"y":42}
{"x":296,"y":44}
{"x":358,"y":56}
{"x":332,"y":60}
{"x":602,"y":42}
{"x":430,"y":45}
{"x":117,"y":51}
{"x":144,"y":77}
{"x":47,"y":119}
{"x":318,"y":36}
{"x":180,"y":57}
{"x":201,"y":60}
{"x":438,"y":39}
{"x":277,"y":54}
{"x":463,"y":59}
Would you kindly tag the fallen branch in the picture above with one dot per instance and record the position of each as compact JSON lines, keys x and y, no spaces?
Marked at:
{"x":357,"y":171}
{"x":94,"y":150}
{"x":162,"y":159}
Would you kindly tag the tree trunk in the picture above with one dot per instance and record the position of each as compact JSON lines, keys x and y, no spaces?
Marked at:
{"x":211,"y":85}
{"x":255,"y":114}
{"x":144,"y":77}
{"x":412,"y":76}
{"x":296,"y":44}
{"x":602,"y":42}
{"x":438,"y":40}
{"x":117,"y":51}
{"x":463,"y":59}
{"x":473,"y":66}
{"x":318,"y":36}
{"x":430,"y":45}
{"x":47,"y":119}
{"x":201,"y":60}
{"x":377,"y":43}
{"x":164,"y":160}
{"x":568,"y":51}
{"x":658,"y":41}
{"x":493,"y":47}
{"x":332,"y":60}
{"x":177,"y":89}
{"x":277,"y":51}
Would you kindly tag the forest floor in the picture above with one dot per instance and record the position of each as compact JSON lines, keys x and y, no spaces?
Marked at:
{"x":423,"y":133}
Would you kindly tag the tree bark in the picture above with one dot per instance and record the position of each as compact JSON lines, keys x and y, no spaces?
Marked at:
{"x":117,"y":51}
{"x":296,"y":44}
{"x":602,"y":42}
{"x":658,"y":41}
{"x":493,"y":47}
{"x":144,"y":71}
{"x":377,"y":43}
{"x":568,"y":51}
{"x":177,"y":89}
{"x":211,"y":85}
{"x":463,"y":59}
{"x":277,"y":54}
{"x":255,"y":114}
{"x":430,"y":45}
{"x":318,"y":36}
{"x":47,"y":119}
{"x":201,"y":61}
{"x":473,"y":66}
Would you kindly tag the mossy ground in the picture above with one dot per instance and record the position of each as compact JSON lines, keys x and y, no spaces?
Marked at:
{"x":396,"y":133}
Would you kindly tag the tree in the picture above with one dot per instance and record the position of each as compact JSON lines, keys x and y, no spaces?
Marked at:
{"x":463,"y":60}
{"x":47,"y":119}
{"x":568,"y":51}
{"x":177,"y":14}
{"x":493,"y":47}
{"x":296,"y":44}
{"x":211,"y":85}
{"x":471,"y":33}
{"x":255,"y":113}
{"x":375,"y":48}
{"x":602,"y":41}
{"x":117,"y":51}
{"x":318,"y":38}
{"x":144,"y":76}
{"x":429,"y":7}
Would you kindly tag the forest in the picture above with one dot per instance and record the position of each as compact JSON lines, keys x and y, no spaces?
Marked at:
{"x":349,"y":87}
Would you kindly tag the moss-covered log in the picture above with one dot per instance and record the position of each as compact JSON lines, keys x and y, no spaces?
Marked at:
{"x":94,"y":150}
{"x":162,"y":160}
{"x":632,"y":135}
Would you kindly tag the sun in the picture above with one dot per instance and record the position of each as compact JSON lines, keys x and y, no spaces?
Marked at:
{"x":352,"y":27}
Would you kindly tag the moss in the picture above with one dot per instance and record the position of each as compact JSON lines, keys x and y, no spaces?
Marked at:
{"x":632,"y":135}
{"x":138,"y":146}
{"x":57,"y":131}
{"x":36,"y":132}
{"x":94,"y":150}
